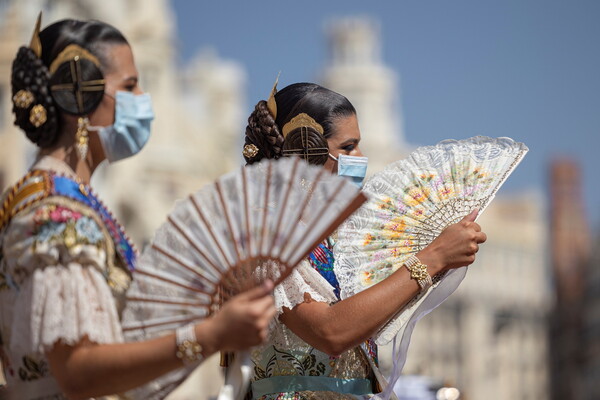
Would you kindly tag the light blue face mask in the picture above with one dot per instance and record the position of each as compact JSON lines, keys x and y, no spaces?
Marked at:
{"x":352,"y":167}
{"x":131,"y":129}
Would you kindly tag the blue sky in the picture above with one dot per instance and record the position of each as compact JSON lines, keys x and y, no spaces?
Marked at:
{"x":528,"y":69}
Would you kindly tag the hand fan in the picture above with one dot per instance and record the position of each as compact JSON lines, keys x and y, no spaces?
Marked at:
{"x":410,"y":202}
{"x":250,"y":225}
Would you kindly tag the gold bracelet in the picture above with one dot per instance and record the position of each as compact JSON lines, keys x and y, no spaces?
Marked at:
{"x":188,"y":349}
{"x":418,"y":272}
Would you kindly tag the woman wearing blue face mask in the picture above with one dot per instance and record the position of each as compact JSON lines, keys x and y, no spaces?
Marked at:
{"x":320,"y":346}
{"x":65,"y":263}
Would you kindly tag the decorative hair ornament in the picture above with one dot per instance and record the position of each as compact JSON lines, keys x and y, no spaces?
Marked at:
{"x":37,"y":115}
{"x":74,"y":54}
{"x":82,"y":138}
{"x":36,"y":44}
{"x":250,"y":151}
{"x":301,"y":120}
{"x":23,"y":98}
{"x":271,"y":104}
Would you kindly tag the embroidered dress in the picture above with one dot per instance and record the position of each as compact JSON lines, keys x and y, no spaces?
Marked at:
{"x":62,"y":278}
{"x":287,"y":368}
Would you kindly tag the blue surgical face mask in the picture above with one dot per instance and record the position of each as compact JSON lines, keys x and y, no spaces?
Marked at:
{"x":131,"y":129}
{"x":352,"y":167}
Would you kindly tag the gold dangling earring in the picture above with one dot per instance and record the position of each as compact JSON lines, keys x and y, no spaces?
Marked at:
{"x":82,"y":138}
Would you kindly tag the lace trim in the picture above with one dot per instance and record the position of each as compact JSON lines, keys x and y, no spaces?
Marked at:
{"x":291,"y":292}
{"x":303,"y":280}
{"x":64,"y":303}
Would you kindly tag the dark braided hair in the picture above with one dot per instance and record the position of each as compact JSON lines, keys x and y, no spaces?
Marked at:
{"x":323,"y":105}
{"x":263,"y":132}
{"x":32,"y":74}
{"x":29,"y":73}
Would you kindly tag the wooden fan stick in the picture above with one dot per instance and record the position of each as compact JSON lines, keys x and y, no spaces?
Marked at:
{"x":172,"y":282}
{"x":354,"y":204}
{"x":194,"y":245}
{"x":170,"y":302}
{"x":246,"y":210}
{"x":265,"y":209}
{"x":210,"y":230}
{"x":285,"y":200}
{"x":188,"y":267}
{"x":302,"y":211}
{"x":228,"y":220}
{"x":179,"y":322}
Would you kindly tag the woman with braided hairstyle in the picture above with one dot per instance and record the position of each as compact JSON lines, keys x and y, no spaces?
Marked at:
{"x":320,"y":347}
{"x":65,"y":263}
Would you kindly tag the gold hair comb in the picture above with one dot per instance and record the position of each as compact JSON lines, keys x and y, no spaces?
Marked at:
{"x":72,"y":52}
{"x":299,"y":121}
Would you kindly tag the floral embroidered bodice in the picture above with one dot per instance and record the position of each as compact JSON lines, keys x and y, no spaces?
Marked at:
{"x":61,"y":279}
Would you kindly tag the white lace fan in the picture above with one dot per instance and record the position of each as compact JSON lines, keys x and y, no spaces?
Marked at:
{"x":410,"y":202}
{"x":256,"y":223}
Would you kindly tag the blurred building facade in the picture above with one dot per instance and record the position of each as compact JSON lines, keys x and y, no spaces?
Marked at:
{"x":573,"y":324}
{"x":488,"y":339}
{"x":591,"y":326}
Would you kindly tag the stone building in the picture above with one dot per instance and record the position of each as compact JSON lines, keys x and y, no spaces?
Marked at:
{"x":572,"y":324}
{"x":591,"y":327}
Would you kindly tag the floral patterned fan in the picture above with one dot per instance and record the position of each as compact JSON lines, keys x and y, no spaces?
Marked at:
{"x":413,"y":200}
{"x":410,"y":202}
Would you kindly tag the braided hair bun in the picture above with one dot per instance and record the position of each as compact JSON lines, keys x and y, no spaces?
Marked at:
{"x":30,"y":74}
{"x":263,"y":132}
{"x":43,"y":85}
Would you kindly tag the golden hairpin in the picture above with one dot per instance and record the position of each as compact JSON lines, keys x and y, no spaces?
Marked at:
{"x":36,"y":43}
{"x":271,"y":104}
{"x":301,"y":120}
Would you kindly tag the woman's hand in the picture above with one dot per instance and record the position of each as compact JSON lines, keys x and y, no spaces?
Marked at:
{"x":244,"y":320}
{"x":455,"y":247}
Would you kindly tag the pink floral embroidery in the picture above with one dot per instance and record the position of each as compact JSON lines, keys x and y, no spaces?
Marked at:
{"x":61,"y":215}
